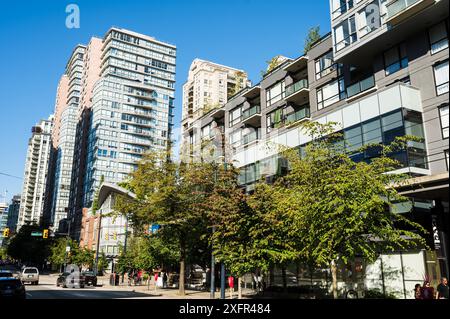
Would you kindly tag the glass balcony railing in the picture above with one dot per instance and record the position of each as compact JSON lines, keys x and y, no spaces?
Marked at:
{"x":253,"y":136}
{"x":398,"y":6}
{"x":360,"y":86}
{"x":297,"y":116}
{"x":297,"y":86}
{"x":250,"y":112}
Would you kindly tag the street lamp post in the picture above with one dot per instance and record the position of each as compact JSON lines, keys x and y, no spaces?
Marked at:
{"x":213,"y":269}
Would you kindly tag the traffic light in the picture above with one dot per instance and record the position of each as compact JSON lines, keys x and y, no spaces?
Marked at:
{"x":6,"y":232}
{"x":115,"y":235}
{"x":106,"y":236}
{"x":45,"y":233}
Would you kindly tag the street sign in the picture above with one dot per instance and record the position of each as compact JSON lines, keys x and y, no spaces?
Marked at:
{"x":36,"y":234}
{"x":67,"y":249}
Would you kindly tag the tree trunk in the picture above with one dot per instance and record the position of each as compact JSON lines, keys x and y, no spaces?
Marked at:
{"x":239,"y":287}
{"x":181,"y":291}
{"x":334,"y":277}
{"x":283,"y":274}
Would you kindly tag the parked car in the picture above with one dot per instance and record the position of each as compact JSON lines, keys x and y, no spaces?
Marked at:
{"x":89,"y":278}
{"x":11,"y":288}
{"x":30,"y":274}
{"x":66,"y":280}
{"x":6,"y":274}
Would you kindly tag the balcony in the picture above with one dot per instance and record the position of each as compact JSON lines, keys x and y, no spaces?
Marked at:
{"x":252,"y":116}
{"x":217,"y":113}
{"x":297,"y":65}
{"x":251,"y":137}
{"x":297,"y":117}
{"x":357,"y":88}
{"x":251,"y":93}
{"x":400,"y":10}
{"x":297,"y":92}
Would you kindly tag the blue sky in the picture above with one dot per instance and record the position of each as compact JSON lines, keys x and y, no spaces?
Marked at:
{"x":36,"y":45}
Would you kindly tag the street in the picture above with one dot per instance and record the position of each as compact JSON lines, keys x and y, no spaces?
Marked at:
{"x":47,"y":290}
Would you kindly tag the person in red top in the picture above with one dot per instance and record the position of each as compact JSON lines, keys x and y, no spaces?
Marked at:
{"x":231,"y":285}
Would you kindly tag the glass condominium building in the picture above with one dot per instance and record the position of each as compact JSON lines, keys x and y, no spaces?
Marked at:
{"x":132,"y":106}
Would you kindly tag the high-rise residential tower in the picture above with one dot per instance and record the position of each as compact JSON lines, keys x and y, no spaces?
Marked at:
{"x":13,"y":213}
{"x":126,"y":109}
{"x":208,"y":87}
{"x":36,"y":174}
{"x":63,"y":135}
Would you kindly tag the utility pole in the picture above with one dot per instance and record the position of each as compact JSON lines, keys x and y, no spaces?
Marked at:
{"x":98,"y":243}
{"x":125,"y":243}
{"x":222,"y":268}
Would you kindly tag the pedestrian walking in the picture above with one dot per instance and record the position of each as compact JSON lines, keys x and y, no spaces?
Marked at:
{"x":156,"y":280}
{"x":165,"y":280}
{"x":231,"y":285}
{"x":417,"y":294}
{"x":442,"y":289}
{"x":427,"y":291}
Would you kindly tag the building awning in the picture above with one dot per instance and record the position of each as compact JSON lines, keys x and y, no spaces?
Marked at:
{"x":433,"y":187}
{"x":108,"y":188}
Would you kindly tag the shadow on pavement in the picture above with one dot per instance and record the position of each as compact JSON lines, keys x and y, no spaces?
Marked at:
{"x":70,"y":293}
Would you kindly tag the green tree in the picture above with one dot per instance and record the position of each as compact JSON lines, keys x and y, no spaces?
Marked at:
{"x":95,"y":200}
{"x":346,"y":207}
{"x":167,"y":194}
{"x":28,"y":249}
{"x":313,"y":36}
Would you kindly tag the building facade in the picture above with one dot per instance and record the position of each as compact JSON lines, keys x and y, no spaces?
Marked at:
{"x":13,"y":213}
{"x":36,"y":174}
{"x":126,"y":109}
{"x":63,"y":135}
{"x":208,"y":87}
{"x":377,"y":81}
{"x":4,"y":210}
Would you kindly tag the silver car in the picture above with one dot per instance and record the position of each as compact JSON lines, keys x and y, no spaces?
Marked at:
{"x":31,"y":275}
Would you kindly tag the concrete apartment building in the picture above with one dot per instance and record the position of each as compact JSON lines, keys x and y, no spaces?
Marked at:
{"x":208,"y":87}
{"x":63,"y":135}
{"x":36,"y":174}
{"x":379,"y":81}
{"x":126,"y":108}
{"x":13,"y":213}
{"x":4,"y":209}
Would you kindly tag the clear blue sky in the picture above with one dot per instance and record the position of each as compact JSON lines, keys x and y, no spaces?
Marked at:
{"x":36,"y":45}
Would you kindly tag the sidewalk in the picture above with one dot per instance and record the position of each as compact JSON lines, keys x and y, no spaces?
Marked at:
{"x":169,"y":293}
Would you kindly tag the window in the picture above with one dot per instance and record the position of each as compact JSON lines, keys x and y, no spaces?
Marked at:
{"x":395,"y":59}
{"x":340,"y":6}
{"x":235,"y":137}
{"x":367,"y":20}
{"x":330,"y":93}
{"x":443,"y":114}
{"x":345,"y":33}
{"x":441,"y":77}
{"x":274,"y":119}
{"x":438,"y":37}
{"x":235,"y":116}
{"x":206,"y":131}
{"x":324,"y":65}
{"x":275,"y":93}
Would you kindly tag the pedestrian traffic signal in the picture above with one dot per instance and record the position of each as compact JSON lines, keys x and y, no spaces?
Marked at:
{"x":45,"y":233}
{"x":6,"y":232}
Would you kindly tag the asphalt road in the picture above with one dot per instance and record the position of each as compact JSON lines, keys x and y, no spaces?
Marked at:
{"x":47,"y":290}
